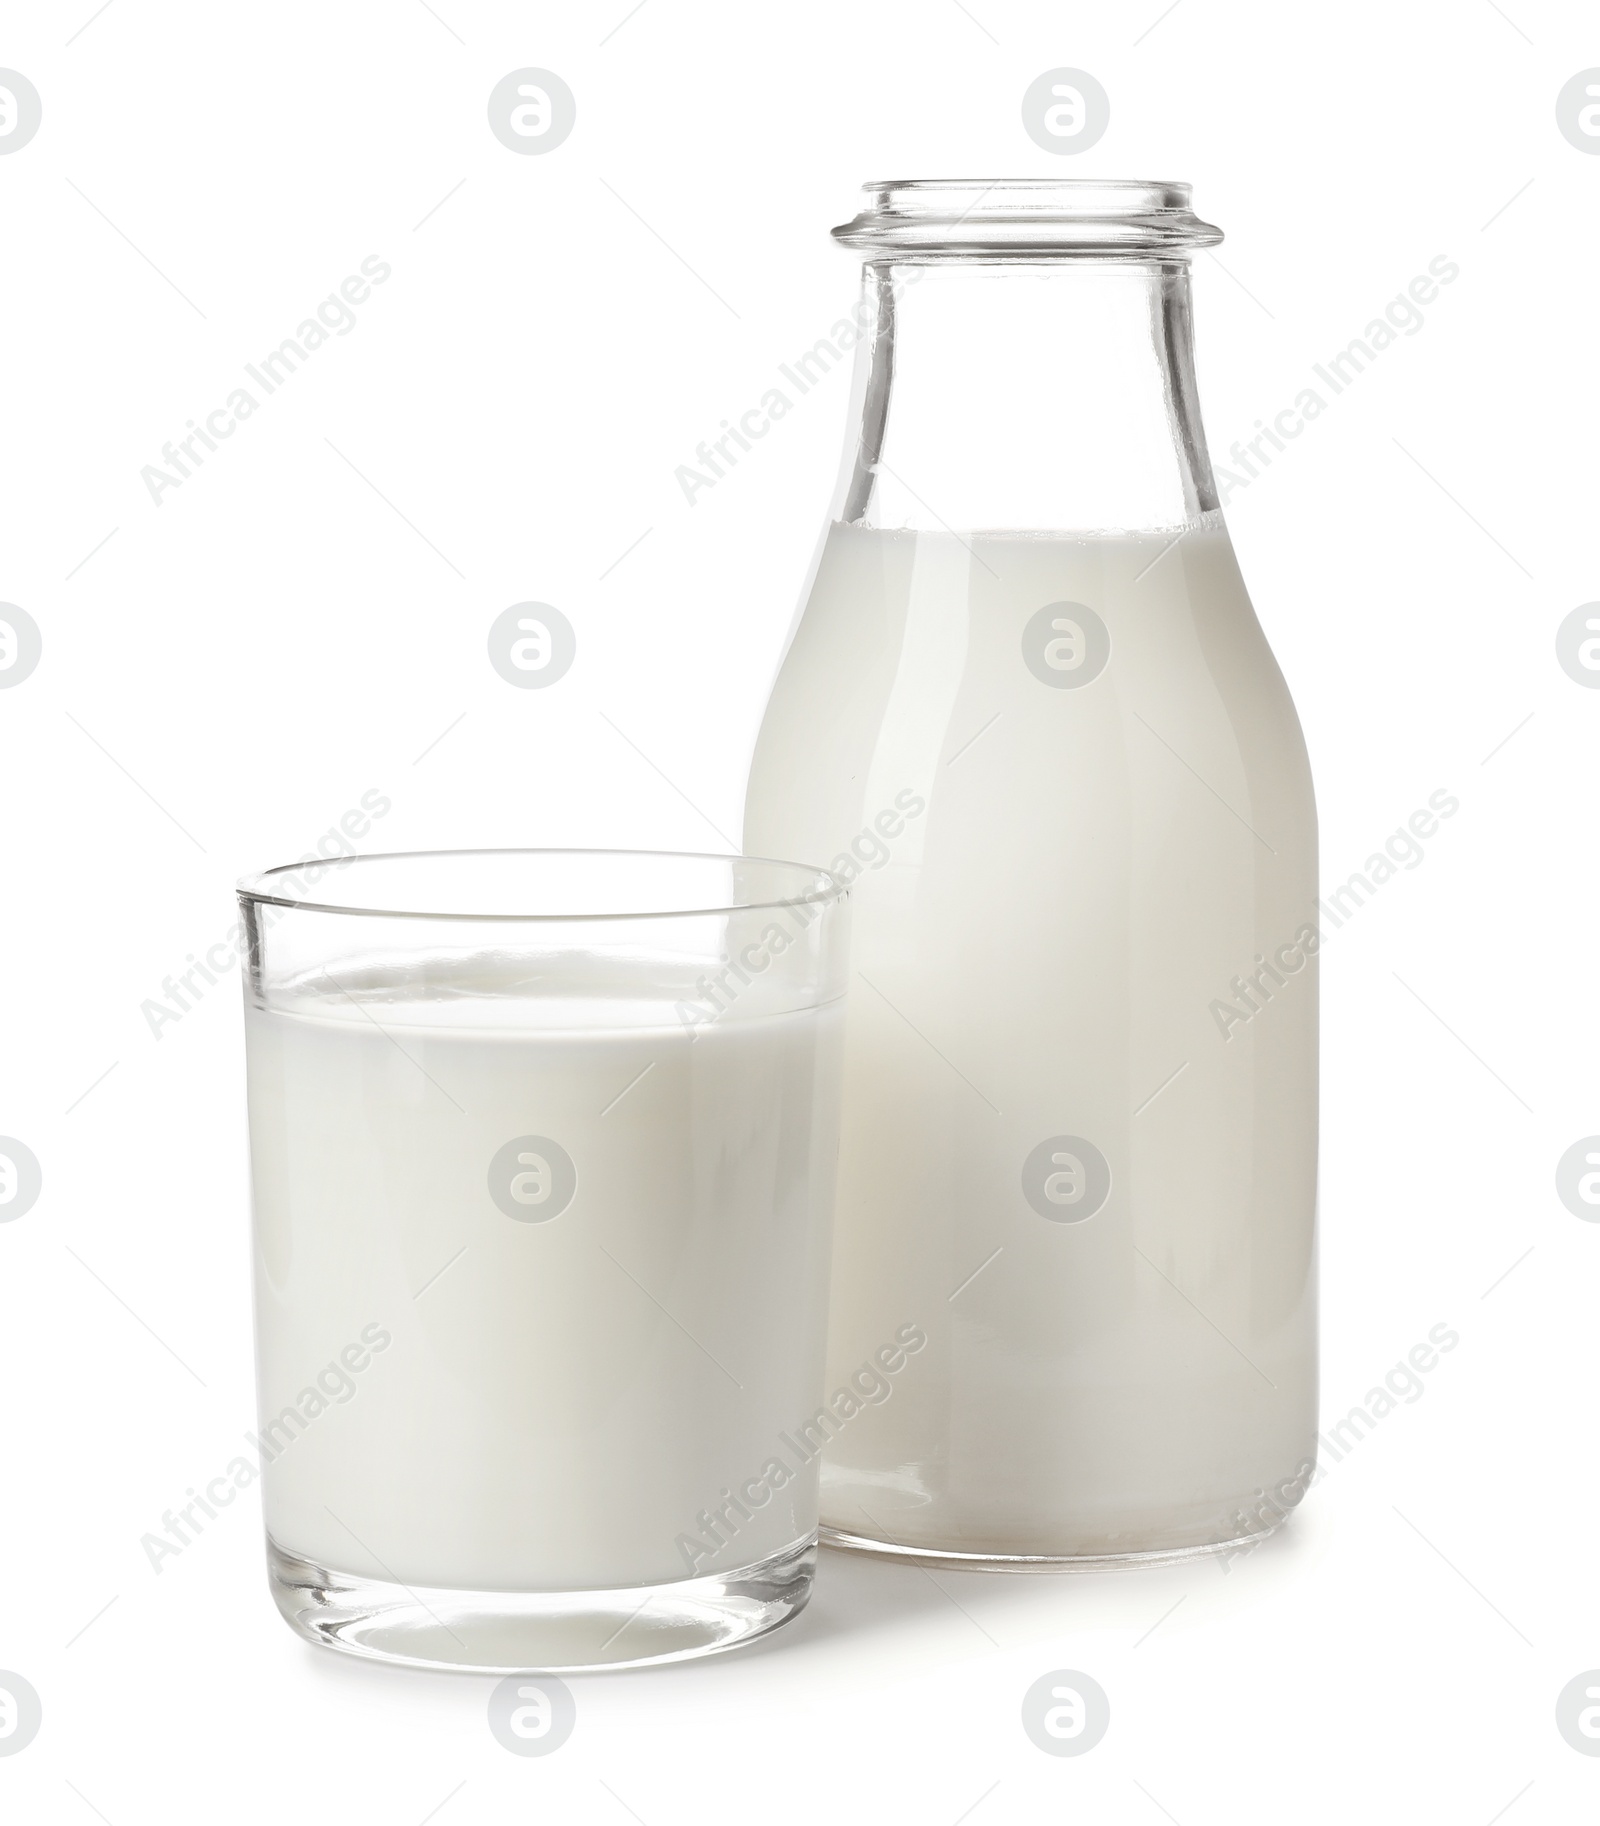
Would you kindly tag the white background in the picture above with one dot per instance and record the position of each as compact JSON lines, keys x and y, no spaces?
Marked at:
{"x":304,"y":619}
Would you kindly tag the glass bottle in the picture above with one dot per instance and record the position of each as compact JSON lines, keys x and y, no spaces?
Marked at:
{"x":1028,"y":712}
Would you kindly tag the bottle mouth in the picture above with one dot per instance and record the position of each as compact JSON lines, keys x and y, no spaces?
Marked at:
{"x":1026,"y":219}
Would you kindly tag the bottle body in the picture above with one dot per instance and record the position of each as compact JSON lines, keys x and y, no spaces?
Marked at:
{"x":1064,"y":775}
{"x":1051,"y":896}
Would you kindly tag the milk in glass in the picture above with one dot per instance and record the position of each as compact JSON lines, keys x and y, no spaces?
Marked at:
{"x":552,"y":1389}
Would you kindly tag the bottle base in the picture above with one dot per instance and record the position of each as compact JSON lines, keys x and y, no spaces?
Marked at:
{"x":934,"y":1558}
{"x":513,"y":1632}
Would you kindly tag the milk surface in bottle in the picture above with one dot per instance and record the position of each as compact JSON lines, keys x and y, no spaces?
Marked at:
{"x":1029,"y":711}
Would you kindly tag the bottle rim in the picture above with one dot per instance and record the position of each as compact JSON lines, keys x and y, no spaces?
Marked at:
{"x":1026,"y":218}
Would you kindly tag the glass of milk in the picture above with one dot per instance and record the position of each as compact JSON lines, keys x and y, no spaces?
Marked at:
{"x":543,"y":1147}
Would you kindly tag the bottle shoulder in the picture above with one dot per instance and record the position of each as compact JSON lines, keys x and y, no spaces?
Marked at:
{"x":1049,"y":666}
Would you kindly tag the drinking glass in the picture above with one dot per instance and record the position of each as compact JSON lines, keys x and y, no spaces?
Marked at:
{"x":542,"y":1149}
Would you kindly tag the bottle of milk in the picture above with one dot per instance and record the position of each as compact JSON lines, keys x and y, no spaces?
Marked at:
{"x":1028,"y":712}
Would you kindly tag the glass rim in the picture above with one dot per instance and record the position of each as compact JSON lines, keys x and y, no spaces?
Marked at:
{"x":1023,"y":217}
{"x":825,"y":887}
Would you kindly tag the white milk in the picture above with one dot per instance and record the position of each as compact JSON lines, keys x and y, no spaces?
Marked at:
{"x":536,"y":1405}
{"x":1056,"y":880}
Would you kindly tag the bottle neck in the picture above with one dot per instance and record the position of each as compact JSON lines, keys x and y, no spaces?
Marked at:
{"x":1030,"y":395}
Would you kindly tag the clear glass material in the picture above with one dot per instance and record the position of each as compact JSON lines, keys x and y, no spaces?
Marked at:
{"x":542,"y":1153}
{"x":1079,"y":1143}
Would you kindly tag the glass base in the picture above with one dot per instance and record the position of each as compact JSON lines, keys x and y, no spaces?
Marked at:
{"x":934,"y":1557}
{"x":515,"y":1632}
